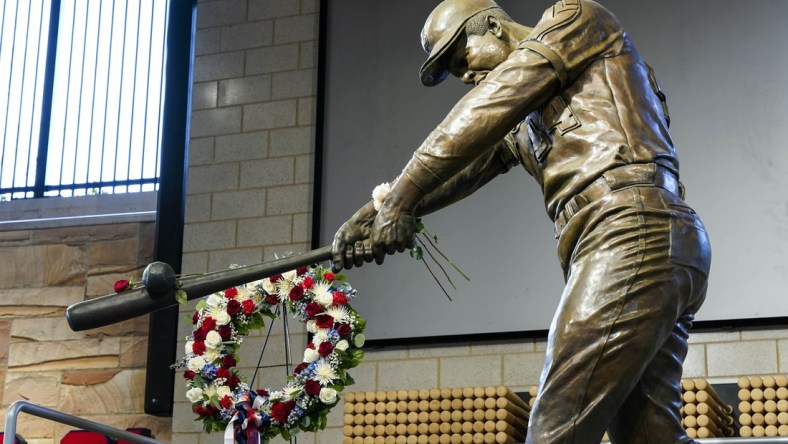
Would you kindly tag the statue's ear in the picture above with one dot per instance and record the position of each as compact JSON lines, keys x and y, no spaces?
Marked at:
{"x":494,"y":26}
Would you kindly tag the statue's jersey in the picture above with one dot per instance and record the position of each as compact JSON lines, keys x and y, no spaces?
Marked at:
{"x":572,"y":102}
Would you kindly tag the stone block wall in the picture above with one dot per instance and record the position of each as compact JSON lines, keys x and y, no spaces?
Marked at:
{"x":98,"y":374}
{"x":249,"y":198}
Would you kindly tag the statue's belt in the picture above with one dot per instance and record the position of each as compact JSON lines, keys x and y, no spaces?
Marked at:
{"x":616,"y":179}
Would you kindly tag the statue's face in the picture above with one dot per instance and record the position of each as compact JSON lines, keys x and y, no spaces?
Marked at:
{"x":476,"y":55}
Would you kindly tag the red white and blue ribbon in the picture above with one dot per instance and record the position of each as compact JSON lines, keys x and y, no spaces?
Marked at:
{"x":248,"y":421}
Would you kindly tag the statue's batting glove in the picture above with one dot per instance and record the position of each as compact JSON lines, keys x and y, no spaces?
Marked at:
{"x":351,"y":246}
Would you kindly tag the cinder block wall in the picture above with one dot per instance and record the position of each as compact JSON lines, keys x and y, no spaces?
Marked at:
{"x":249,"y":197}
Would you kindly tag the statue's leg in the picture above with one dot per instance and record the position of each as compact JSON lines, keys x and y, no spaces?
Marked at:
{"x":622,"y":300}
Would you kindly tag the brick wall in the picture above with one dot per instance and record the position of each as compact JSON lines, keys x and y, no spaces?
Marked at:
{"x":249,"y":197}
{"x":98,"y":374}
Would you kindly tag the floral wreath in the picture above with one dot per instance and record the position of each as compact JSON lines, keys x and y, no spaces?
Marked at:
{"x":220,"y":396}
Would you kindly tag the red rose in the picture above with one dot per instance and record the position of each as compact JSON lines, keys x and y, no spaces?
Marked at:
{"x":222,"y":372}
{"x":312,"y":387}
{"x":312,"y":309}
{"x":301,"y":270}
{"x":275,"y":278}
{"x":199,"y":335}
{"x":226,"y":402}
{"x":188,"y":374}
{"x":262,"y":392}
{"x":208,"y":324}
{"x":226,"y":332}
{"x":310,"y":345}
{"x":198,"y":347}
{"x":204,"y":411}
{"x":329,"y":276}
{"x":121,"y":285}
{"x":340,"y":298}
{"x":297,"y":293}
{"x":233,"y":307}
{"x":324,"y":321}
{"x":248,"y":307}
{"x":272,"y":299}
{"x":308,"y":282}
{"x":228,"y":361}
{"x":344,"y":329}
{"x":195,"y":317}
{"x":231,"y":293}
{"x":325,"y":349}
{"x":299,"y":368}
{"x":233,"y":382}
{"x":280,"y":411}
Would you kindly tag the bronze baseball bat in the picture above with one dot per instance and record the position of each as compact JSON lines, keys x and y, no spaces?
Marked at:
{"x":113,"y":308}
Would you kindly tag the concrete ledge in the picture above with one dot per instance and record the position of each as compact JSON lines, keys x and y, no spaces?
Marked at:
{"x":53,"y":212}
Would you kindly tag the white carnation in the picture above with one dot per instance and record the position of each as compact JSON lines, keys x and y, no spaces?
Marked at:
{"x":311,"y":327}
{"x":214,"y":300}
{"x":213,"y":339}
{"x":311,"y":355}
{"x":269,"y":286}
{"x":223,"y":391}
{"x":196,"y":364}
{"x":320,"y":337}
{"x":290,"y":275}
{"x":222,"y":318}
{"x":211,"y":354}
{"x":328,"y":395}
{"x":379,"y":195}
{"x":189,"y":347}
{"x":342,"y":345}
{"x":194,"y":394}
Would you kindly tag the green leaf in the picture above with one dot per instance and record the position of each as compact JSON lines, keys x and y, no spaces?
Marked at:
{"x":200,"y":305}
{"x":340,"y":277}
{"x":417,"y":253}
{"x":181,"y":297}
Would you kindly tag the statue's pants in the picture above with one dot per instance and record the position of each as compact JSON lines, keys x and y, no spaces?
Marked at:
{"x":636,"y":263}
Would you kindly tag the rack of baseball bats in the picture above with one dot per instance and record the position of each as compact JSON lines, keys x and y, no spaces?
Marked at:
{"x":763,"y":405}
{"x":486,"y":415}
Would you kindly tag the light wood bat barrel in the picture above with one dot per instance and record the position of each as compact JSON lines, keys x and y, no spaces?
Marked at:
{"x":705,"y":397}
{"x":706,"y":409}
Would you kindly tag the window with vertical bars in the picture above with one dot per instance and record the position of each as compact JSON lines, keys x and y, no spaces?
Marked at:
{"x":81,"y":96}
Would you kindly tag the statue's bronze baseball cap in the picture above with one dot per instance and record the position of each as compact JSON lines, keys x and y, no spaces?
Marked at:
{"x":441,"y":31}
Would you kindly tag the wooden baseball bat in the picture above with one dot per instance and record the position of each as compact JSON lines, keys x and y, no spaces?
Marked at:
{"x":769,"y":381}
{"x":704,"y":396}
{"x":743,"y":382}
{"x":781,"y":381}
{"x":756,"y":394}
{"x":117,"y":307}
{"x":782,"y":405}
{"x":782,"y":430}
{"x":782,"y":418}
{"x":769,"y":393}
{"x":706,"y":409}
{"x":757,"y":406}
{"x":756,"y":382}
{"x":771,"y":430}
{"x":745,"y":407}
{"x":745,"y":431}
{"x":770,"y":406}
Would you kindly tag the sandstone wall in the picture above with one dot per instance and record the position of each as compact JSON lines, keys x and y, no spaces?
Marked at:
{"x":98,"y":374}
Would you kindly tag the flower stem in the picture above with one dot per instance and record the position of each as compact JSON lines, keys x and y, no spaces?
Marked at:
{"x":428,"y":235}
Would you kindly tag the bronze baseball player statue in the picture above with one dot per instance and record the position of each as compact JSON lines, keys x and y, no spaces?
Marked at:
{"x":573,"y":102}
